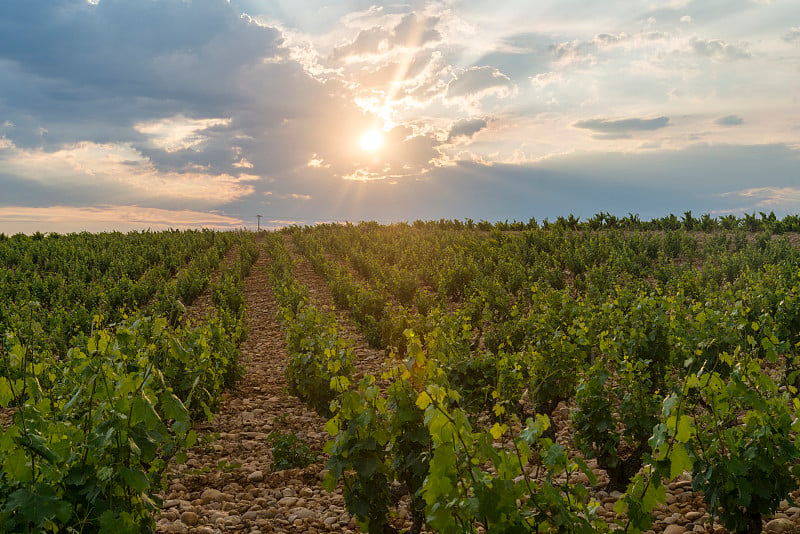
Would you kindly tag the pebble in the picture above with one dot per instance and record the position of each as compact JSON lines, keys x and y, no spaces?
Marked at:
{"x":288,"y":502}
{"x":780,"y":525}
{"x":255,"y":476}
{"x":303,"y":513}
{"x":693,"y":515}
{"x":190,"y":518}
{"x":210,"y":495}
{"x":674,"y":529}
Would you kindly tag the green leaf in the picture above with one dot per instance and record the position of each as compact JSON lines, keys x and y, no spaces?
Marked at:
{"x":6,"y":395}
{"x":679,"y":461}
{"x":366,"y":466}
{"x":39,"y":506}
{"x":684,"y":429}
{"x":135,"y":479}
{"x":555,"y":457}
{"x":38,"y":445}
{"x":173,"y":407}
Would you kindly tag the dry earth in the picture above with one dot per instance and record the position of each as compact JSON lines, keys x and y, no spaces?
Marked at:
{"x":227,"y":484}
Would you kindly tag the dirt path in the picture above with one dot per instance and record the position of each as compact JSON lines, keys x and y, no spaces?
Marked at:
{"x":227,"y":484}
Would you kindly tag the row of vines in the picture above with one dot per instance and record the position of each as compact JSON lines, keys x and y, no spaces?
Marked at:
{"x":101,"y":375}
{"x":674,"y":351}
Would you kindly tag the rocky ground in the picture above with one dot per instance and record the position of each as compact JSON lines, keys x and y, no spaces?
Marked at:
{"x":227,"y":485}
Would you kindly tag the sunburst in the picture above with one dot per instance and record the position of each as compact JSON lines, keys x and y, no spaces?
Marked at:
{"x":371,"y":141}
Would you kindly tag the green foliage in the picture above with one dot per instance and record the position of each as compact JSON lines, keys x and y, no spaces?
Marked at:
{"x":747,"y":463}
{"x":101,"y":376}
{"x":91,"y":449}
{"x":604,"y":312}
{"x":289,"y":451}
{"x":318,"y":356}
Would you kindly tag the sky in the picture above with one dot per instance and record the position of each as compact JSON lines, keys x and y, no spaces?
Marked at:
{"x":122,"y":114}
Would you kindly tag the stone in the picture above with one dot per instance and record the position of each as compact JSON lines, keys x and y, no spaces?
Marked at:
{"x":210,"y":495}
{"x":170,"y":503}
{"x":780,"y":525}
{"x":178,"y":528}
{"x":693,"y":515}
{"x":190,"y":518}
{"x":674,"y":529}
{"x":256,"y":476}
{"x":252,"y":515}
{"x":288,"y":502}
{"x":303,"y":513}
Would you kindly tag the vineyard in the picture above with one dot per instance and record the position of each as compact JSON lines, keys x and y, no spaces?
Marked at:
{"x":441,"y":376}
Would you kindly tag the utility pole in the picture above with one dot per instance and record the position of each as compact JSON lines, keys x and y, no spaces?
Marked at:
{"x":259,"y":222}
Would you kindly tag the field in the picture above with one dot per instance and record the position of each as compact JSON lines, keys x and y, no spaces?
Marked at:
{"x":441,"y":376}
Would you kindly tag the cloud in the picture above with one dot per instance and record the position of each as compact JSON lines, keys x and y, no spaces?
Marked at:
{"x":729,"y":120}
{"x":465,"y":128}
{"x":178,"y":132}
{"x":65,"y":219}
{"x":200,"y":105}
{"x":622,"y":127}
{"x":477,"y":82}
{"x":122,"y":169}
{"x":370,"y":41}
{"x":718,"y":49}
{"x":582,"y":52}
{"x":769,"y":197}
{"x":792,"y":35}
{"x":411,"y":31}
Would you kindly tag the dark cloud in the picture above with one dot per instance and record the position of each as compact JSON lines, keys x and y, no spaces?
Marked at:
{"x":793,"y":35}
{"x":465,"y":128}
{"x":622,"y":127}
{"x":718,"y":49}
{"x":478,"y":80}
{"x":729,"y":120}
{"x":90,"y":72}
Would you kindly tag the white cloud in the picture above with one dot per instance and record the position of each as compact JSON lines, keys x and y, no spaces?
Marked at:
{"x":104,"y":217}
{"x":769,"y":197}
{"x":476,"y":82}
{"x":88,"y":164}
{"x":178,"y":132}
{"x":317,"y":162}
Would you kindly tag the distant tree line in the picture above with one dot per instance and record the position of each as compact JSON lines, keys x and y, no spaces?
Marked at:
{"x":749,"y":222}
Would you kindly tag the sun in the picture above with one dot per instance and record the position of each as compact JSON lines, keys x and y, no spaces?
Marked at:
{"x":371,"y":141}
